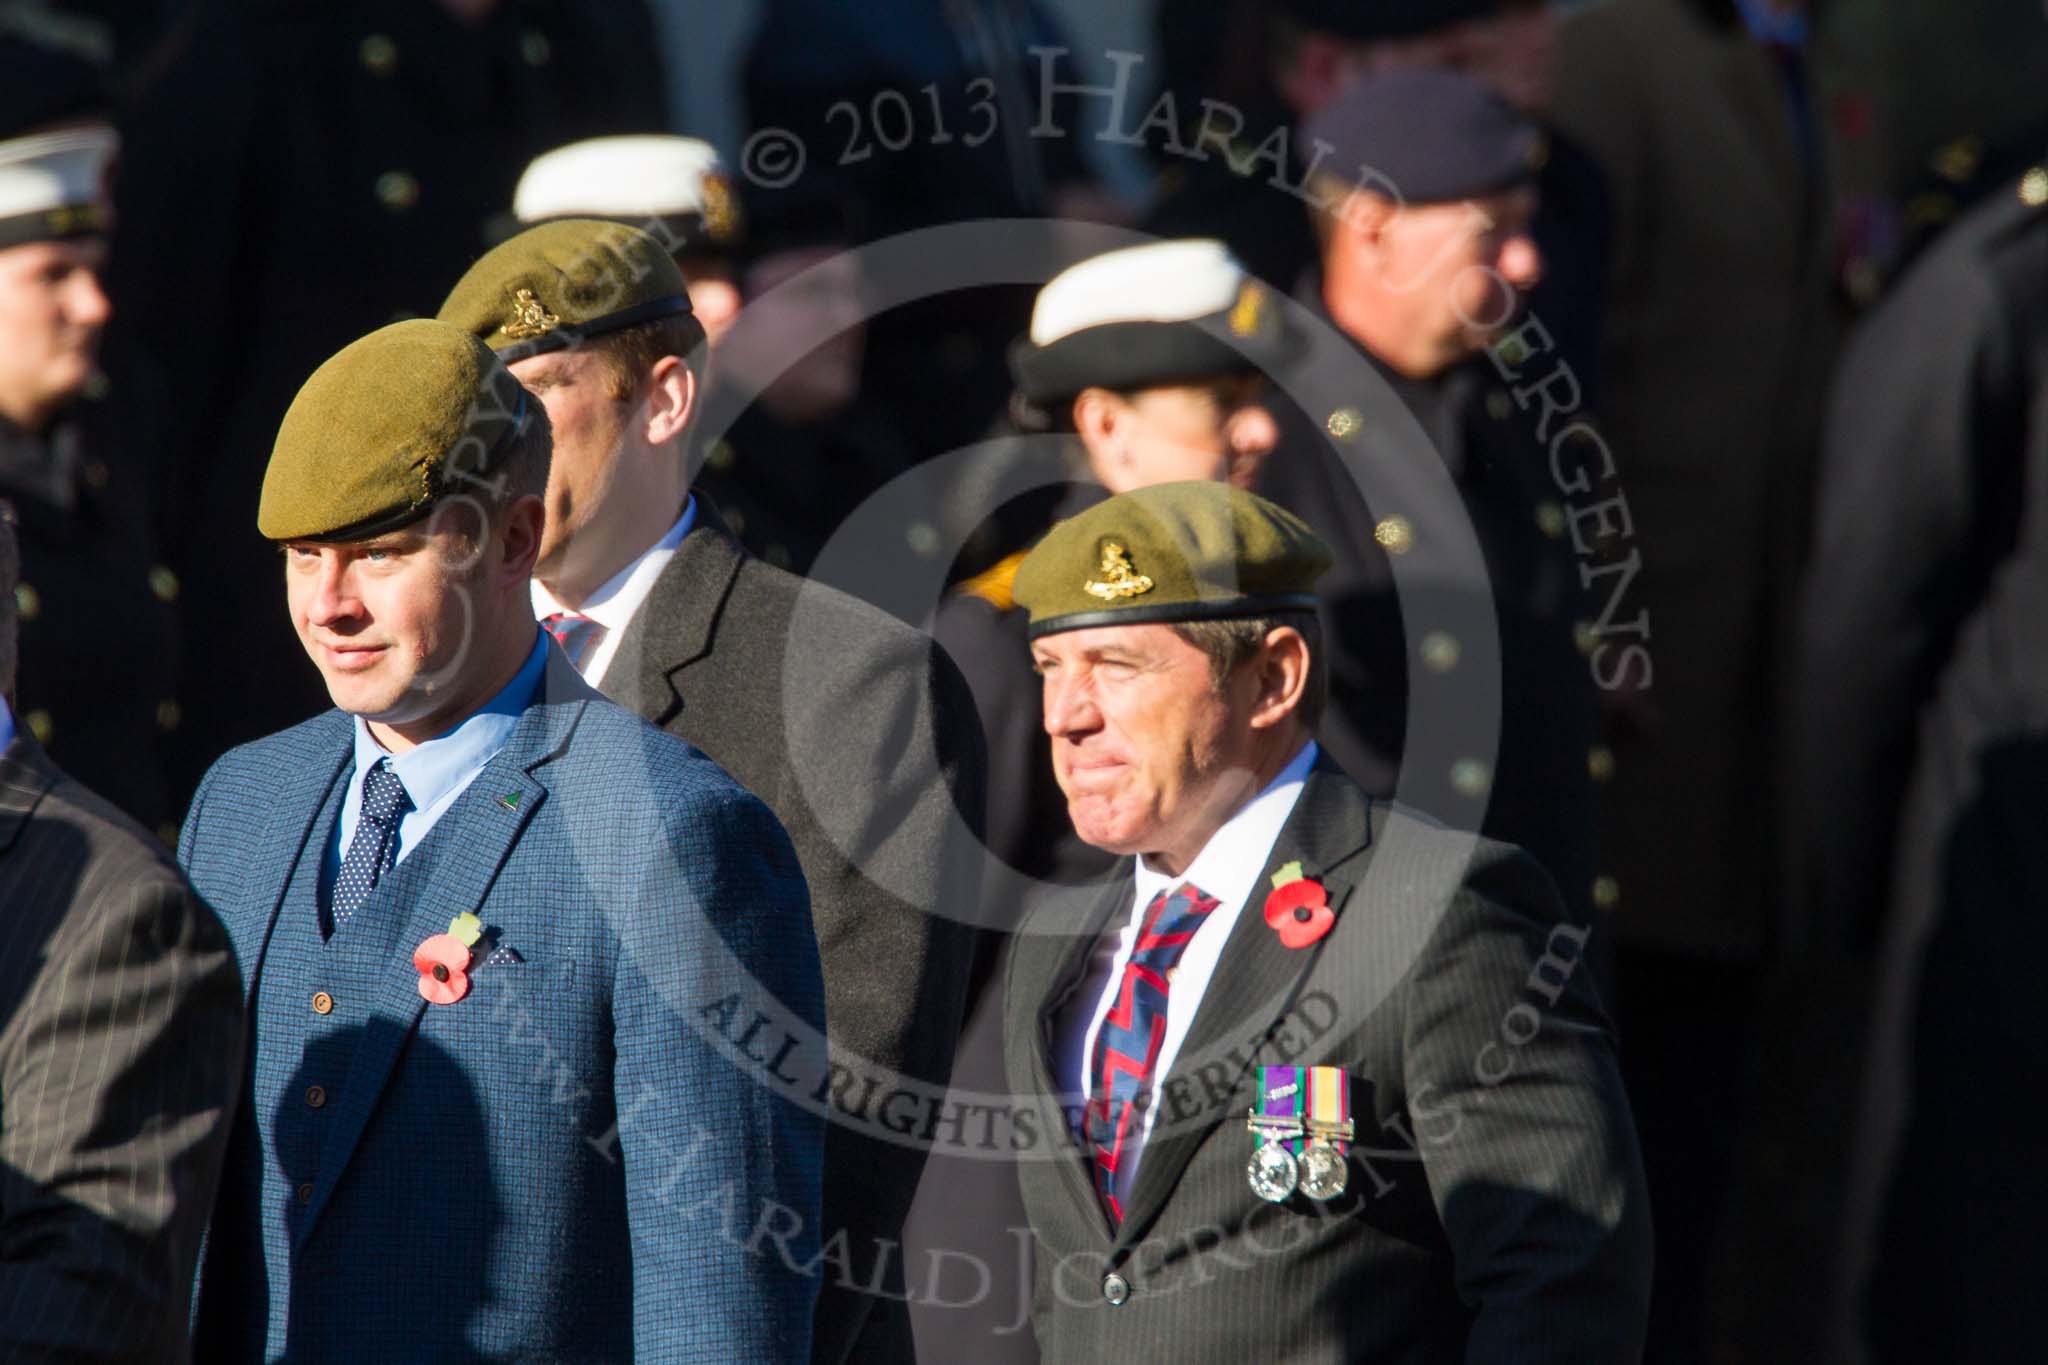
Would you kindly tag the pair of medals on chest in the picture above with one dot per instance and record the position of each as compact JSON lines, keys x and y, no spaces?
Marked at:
{"x":1303,"y":1125}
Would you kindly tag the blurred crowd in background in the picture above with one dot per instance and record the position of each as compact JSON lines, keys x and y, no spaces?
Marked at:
{"x":1791,"y":261}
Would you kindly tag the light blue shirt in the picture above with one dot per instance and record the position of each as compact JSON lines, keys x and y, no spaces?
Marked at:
{"x":438,"y":771}
{"x":6,"y":724}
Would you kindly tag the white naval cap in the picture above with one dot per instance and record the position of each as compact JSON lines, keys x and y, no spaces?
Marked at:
{"x":1162,"y":313}
{"x":638,"y":179}
{"x":53,"y":184}
{"x":1157,"y":282}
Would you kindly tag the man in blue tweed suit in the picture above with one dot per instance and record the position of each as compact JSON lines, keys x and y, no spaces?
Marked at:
{"x":500,"y":941}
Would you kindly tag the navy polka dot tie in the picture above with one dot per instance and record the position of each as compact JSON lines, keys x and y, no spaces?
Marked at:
{"x":375,"y":848}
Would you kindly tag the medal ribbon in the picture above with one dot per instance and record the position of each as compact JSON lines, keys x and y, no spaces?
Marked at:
{"x":1329,"y":1104}
{"x":1282,"y":1093}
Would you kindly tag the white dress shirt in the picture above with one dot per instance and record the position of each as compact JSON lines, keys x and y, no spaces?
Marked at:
{"x":613,"y":604}
{"x":1228,"y":868}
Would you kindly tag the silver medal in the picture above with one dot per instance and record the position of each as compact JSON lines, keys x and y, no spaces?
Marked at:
{"x":1324,"y":1172}
{"x":1272,"y":1172}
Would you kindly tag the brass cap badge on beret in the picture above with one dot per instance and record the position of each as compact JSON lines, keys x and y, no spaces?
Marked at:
{"x":1119,"y":579}
{"x":529,"y":318}
{"x":1194,"y":551}
{"x":563,"y":282}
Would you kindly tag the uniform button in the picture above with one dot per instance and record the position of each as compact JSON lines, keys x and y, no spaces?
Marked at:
{"x":306,"y":1193}
{"x":1600,"y":762}
{"x":1115,"y":1288}
{"x":397,"y":191}
{"x":1958,"y":161}
{"x":1439,"y":651}
{"x":1930,"y":210}
{"x":1395,"y":535}
{"x":1499,"y":405}
{"x":316,"y":1097}
{"x":97,"y":386}
{"x":323,"y":1003}
{"x":163,"y":583}
{"x":923,"y":538}
{"x":720,"y":455}
{"x":28,"y":603}
{"x":1586,"y":637}
{"x":2034,"y":187}
{"x":1344,"y":423}
{"x":535,"y":48}
{"x":735,"y":520}
{"x":379,"y":54}
{"x":1606,"y":893}
{"x":41,"y":726}
{"x":1550,"y":519}
{"x":1470,"y":777}
{"x":168,"y":714}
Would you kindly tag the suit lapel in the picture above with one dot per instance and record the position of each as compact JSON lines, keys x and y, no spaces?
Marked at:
{"x":25,"y":775}
{"x":296,"y":810}
{"x":1070,"y":969}
{"x":674,"y":626}
{"x":452,"y":872}
{"x":1256,"y":983}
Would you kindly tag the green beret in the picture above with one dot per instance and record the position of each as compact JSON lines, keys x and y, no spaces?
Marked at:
{"x":393,"y":423}
{"x":555,"y":285}
{"x":1195,"y":551}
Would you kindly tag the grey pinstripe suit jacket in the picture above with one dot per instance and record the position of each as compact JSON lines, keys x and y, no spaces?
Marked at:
{"x":120,"y":1044}
{"x":1496,"y":1210}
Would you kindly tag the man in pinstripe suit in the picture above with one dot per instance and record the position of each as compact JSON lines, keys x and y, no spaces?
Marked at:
{"x":1447,"y":1169}
{"x":501,"y":941}
{"x":120,"y":1029}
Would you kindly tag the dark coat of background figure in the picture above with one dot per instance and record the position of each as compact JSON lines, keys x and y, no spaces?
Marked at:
{"x":98,"y":681}
{"x":1536,"y":790}
{"x":120,"y":1056}
{"x":861,"y":737}
{"x":1493,"y":1224}
{"x":294,"y":175}
{"x":1716,"y":345}
{"x":1924,"y":768}
{"x":1717,"y":340}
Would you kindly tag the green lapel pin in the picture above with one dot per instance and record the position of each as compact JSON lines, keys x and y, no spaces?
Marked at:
{"x":510,"y":800}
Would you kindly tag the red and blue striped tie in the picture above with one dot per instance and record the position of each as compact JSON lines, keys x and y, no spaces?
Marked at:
{"x":1121,"y":1069}
{"x":575,"y":633}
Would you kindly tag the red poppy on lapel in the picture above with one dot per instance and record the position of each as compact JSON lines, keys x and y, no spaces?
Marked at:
{"x":1298,"y":908}
{"x":443,"y":961}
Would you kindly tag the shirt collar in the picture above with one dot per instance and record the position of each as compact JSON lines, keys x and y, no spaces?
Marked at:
{"x":1229,"y":865}
{"x":619,"y":596}
{"x":6,"y":724}
{"x":432,"y":769}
